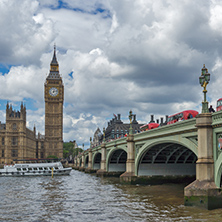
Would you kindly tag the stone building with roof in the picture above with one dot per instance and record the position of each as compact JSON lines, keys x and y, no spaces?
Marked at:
{"x":97,"y":138}
{"x":115,"y":129}
{"x":16,"y":139}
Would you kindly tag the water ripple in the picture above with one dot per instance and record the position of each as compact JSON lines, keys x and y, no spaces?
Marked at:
{"x":83,"y":197}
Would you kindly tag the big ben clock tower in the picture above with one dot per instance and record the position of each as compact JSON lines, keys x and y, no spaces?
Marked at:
{"x":54,"y":97}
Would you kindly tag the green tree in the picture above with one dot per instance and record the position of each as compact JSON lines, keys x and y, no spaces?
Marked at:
{"x":69,"y":149}
{"x":52,"y":157}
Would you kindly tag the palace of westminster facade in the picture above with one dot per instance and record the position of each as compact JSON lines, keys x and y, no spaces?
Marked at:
{"x":19,"y":142}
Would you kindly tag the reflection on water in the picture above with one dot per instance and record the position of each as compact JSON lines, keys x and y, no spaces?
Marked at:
{"x":84,"y":197}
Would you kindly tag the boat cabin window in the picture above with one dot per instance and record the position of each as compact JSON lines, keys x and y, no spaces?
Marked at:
{"x":19,"y":169}
{"x":29,"y":168}
{"x":24,"y":169}
{"x":56,"y":168}
{"x":35,"y":168}
{"x":45,"y":168}
{"x":40,"y":168}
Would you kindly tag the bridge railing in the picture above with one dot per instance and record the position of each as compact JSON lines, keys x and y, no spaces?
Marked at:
{"x":217,"y":119}
{"x":175,"y":128}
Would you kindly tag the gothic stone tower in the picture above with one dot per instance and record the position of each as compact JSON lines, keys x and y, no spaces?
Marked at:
{"x":19,"y":141}
{"x":54,"y":97}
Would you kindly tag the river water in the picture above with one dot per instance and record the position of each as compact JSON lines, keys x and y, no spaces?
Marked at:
{"x":85,"y":197}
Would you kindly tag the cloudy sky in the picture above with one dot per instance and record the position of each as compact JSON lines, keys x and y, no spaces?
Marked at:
{"x":114,"y":55}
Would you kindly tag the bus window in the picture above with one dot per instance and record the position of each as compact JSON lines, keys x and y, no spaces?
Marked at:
{"x":219,"y":105}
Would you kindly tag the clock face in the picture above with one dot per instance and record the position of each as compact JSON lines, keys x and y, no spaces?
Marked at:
{"x":53,"y":91}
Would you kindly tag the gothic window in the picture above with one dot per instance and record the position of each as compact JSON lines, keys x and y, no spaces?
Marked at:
{"x":14,"y":141}
{"x":42,"y":145}
{"x":3,"y":153}
{"x":14,"y":126}
{"x":3,"y":141}
{"x":50,"y":132}
{"x":14,"y":153}
{"x":112,"y":134}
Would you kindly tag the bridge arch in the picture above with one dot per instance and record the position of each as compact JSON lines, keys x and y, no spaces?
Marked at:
{"x":86,"y":162}
{"x":96,"y":160}
{"x":166,"y":158}
{"x":116,"y":160}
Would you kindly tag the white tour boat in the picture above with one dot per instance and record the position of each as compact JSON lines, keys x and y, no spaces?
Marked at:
{"x":35,"y":169}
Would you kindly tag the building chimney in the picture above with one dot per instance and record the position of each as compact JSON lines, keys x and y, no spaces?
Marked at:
{"x":134,"y":119}
{"x":152,"y":119}
{"x":161,"y":121}
{"x":157,"y":121}
{"x":118,"y":116}
{"x":166,"y":119}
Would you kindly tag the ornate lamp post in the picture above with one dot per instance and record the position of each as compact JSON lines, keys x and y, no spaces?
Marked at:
{"x":130,"y":118}
{"x":204,"y":80}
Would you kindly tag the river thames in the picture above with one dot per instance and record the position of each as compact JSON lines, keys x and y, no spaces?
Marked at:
{"x":85,"y":197}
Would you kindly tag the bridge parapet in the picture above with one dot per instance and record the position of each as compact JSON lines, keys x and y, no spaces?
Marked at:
{"x":168,"y":130}
{"x":217,"y":119}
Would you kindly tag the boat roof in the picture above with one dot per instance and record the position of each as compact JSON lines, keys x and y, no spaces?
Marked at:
{"x":38,"y":164}
{"x":35,"y":160}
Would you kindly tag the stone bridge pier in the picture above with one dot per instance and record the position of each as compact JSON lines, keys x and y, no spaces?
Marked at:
{"x":81,"y":163}
{"x":89,"y":169}
{"x":102,"y":171}
{"x":129,"y":175}
{"x":203,"y":192}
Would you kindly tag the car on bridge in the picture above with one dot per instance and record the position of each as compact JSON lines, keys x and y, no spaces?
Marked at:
{"x":184,"y":115}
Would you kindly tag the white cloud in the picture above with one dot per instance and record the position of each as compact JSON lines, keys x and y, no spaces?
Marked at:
{"x":22,"y":82}
{"x":216,"y":16}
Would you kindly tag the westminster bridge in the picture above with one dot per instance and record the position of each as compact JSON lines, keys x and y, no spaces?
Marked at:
{"x":190,"y":148}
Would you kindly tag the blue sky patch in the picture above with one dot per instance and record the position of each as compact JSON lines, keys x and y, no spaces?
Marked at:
{"x":3,"y":104}
{"x":63,"y":5}
{"x":71,"y":74}
{"x":5,"y":68}
{"x":30,"y":104}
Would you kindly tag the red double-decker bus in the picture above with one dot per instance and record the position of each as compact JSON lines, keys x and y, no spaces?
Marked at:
{"x":219,"y":105}
{"x":184,"y":115}
{"x":149,"y":126}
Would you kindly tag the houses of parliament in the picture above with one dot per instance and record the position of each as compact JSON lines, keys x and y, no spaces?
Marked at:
{"x":18,"y":142}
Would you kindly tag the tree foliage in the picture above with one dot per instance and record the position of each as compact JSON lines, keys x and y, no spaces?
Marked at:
{"x":52,"y":157}
{"x":70,"y":150}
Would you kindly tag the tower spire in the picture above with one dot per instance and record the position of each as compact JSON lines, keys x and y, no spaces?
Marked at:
{"x":54,"y":61}
{"x":54,"y":66}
